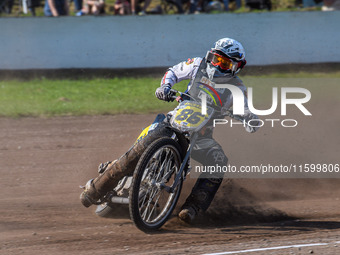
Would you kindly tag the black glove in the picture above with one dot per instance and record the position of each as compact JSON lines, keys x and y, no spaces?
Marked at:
{"x":163,"y":92}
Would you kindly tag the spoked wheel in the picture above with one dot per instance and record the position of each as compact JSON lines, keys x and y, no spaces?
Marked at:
{"x":151,"y":201}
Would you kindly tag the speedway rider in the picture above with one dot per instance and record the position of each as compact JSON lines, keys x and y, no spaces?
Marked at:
{"x":223,"y":61}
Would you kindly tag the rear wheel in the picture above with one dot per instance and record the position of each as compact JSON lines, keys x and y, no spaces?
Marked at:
{"x":111,"y":210}
{"x":151,"y":202}
{"x":105,"y":210}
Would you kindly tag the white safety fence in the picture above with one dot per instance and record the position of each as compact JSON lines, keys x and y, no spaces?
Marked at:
{"x":154,"y":41}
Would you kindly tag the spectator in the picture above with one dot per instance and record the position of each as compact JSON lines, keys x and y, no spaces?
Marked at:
{"x":260,"y":4}
{"x":94,"y":7}
{"x":32,"y":4}
{"x":226,"y":4}
{"x":311,"y":3}
{"x":135,"y":7}
{"x":193,"y":6}
{"x":122,"y":7}
{"x":331,"y":5}
{"x":78,"y":6}
{"x":6,"y":6}
{"x":55,"y":8}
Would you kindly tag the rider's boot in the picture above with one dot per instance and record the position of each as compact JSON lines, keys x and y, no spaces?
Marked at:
{"x":200,"y":198}
{"x":188,"y":213}
{"x":209,"y":153}
{"x":97,"y":188}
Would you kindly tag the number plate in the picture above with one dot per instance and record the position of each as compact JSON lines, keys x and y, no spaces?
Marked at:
{"x":187,"y":116}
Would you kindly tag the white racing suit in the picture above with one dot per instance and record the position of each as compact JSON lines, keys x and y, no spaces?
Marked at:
{"x":206,"y":150}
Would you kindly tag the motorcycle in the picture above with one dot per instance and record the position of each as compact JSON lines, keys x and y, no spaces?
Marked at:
{"x":152,"y":192}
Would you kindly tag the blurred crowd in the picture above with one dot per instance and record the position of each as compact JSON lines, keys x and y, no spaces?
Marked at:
{"x":55,"y":8}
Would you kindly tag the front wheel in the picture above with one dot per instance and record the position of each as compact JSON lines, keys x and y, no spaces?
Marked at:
{"x":151,"y":203}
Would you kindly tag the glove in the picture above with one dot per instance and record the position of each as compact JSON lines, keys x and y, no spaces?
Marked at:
{"x":252,"y":121}
{"x":163,"y":92}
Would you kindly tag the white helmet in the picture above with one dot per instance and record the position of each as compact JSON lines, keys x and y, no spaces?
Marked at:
{"x":227,"y":55}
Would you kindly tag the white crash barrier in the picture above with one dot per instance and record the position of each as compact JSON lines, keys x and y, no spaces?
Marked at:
{"x":163,"y":40}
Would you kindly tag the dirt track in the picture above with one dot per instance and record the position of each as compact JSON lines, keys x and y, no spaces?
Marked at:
{"x":43,"y":161}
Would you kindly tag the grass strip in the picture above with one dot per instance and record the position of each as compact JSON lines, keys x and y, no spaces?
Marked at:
{"x":45,"y":98}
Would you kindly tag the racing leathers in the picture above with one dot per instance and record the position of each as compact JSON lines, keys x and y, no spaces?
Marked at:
{"x":206,"y":150}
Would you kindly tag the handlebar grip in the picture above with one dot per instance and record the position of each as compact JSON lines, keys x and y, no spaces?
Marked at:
{"x":172,"y":95}
{"x":179,"y":99}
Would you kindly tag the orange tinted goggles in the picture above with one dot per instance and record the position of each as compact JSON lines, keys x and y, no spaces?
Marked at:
{"x":223,"y":62}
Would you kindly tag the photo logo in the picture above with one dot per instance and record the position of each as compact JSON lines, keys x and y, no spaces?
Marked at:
{"x":239,"y":100}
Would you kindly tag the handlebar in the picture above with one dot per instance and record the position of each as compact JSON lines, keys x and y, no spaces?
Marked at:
{"x":179,"y":98}
{"x":224,"y":112}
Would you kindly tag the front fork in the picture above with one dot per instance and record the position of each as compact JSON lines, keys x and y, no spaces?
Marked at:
{"x":180,"y":175}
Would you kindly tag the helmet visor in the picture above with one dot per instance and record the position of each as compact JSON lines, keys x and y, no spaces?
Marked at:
{"x":223,"y":62}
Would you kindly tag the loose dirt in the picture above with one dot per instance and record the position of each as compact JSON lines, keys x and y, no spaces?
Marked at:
{"x":43,"y":162}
